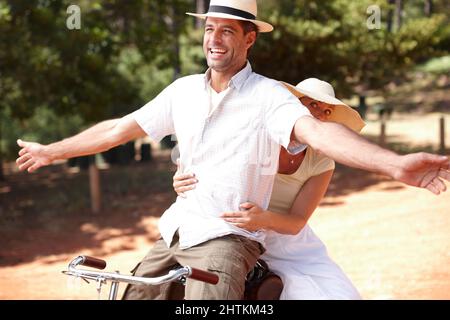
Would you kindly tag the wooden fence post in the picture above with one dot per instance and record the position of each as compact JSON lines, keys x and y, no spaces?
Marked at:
{"x":382,"y":140}
{"x":442,"y":149}
{"x":94,"y":183}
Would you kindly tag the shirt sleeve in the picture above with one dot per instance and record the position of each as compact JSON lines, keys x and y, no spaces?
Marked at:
{"x":156,"y":117}
{"x":283,"y":110}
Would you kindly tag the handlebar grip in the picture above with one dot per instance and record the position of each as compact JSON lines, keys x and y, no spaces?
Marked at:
{"x":204,"y":276}
{"x":93,"y":262}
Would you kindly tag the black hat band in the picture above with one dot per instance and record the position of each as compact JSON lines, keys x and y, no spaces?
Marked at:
{"x":232,"y":11}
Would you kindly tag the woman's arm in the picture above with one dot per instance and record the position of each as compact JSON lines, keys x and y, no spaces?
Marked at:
{"x":307,"y":200}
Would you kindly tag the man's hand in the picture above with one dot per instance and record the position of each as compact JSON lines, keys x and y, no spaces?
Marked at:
{"x":424,"y":170}
{"x":253,"y":218}
{"x":32,"y":156}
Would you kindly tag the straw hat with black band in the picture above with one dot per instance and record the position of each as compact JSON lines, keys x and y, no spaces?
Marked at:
{"x":246,"y":10}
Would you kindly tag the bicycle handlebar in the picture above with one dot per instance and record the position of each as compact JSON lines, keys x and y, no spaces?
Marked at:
{"x":173,"y":275}
{"x":92,"y":262}
{"x":204,"y":276}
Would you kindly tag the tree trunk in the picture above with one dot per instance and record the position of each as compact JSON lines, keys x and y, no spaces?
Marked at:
{"x":2,"y":176}
{"x":202,"y":6}
{"x":382,"y":138}
{"x":390,"y":17}
{"x":176,"y":43}
{"x":442,"y":148}
{"x":307,"y":9}
{"x":428,"y":9}
{"x":177,"y":63}
{"x":362,"y":108}
{"x":94,"y":184}
{"x":398,"y":13}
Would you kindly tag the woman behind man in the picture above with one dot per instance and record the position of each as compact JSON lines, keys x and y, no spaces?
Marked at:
{"x":293,"y":251}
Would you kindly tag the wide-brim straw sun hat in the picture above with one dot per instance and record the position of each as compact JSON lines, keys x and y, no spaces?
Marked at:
{"x":323,"y":91}
{"x":245,"y":10}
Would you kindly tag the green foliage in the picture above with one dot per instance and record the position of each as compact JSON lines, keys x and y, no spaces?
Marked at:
{"x":45,"y":63}
{"x":119,"y":59}
{"x":330,"y":40}
{"x":191,"y":52}
{"x":126,"y":52}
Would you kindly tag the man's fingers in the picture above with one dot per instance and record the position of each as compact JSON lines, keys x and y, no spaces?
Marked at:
{"x":34,"y":167}
{"x":439,"y":184}
{"x":26,"y":164}
{"x":446,"y":164}
{"x":431,"y":187}
{"x":22,"y":151}
{"x":21,"y":159}
{"x":444,"y":174}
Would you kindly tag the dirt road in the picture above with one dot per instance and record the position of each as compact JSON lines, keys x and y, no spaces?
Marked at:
{"x":392,"y":241}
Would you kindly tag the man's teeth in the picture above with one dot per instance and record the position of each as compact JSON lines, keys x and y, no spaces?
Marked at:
{"x":217,"y":51}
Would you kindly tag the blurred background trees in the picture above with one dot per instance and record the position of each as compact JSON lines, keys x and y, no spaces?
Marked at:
{"x":55,"y":81}
{"x":330,"y":40}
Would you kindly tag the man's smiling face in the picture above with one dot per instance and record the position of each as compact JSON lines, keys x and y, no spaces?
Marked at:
{"x":225,"y":45}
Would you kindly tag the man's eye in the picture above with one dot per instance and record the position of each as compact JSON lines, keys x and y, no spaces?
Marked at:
{"x":228,"y":31}
{"x":327,"y":112}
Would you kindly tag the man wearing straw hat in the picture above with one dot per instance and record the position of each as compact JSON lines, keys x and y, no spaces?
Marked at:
{"x":233,"y":120}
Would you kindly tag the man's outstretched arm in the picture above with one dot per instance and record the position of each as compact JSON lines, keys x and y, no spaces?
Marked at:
{"x":101,"y":137}
{"x":422,"y":170}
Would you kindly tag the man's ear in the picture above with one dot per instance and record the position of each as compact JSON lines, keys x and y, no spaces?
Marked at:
{"x":251,"y":39}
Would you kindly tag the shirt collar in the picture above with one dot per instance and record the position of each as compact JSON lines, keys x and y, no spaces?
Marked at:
{"x":237,"y":81}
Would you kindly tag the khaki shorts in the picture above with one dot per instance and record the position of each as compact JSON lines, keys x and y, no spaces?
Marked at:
{"x":231,"y":257}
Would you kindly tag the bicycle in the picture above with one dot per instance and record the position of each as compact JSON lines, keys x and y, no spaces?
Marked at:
{"x":178,"y":274}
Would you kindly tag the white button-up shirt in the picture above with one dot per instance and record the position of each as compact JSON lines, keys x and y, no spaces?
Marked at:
{"x":232,"y":148}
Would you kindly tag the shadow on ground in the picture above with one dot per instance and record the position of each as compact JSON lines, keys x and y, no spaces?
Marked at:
{"x":47,"y":213}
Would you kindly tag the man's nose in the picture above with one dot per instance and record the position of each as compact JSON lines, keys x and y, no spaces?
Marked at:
{"x":216,"y":36}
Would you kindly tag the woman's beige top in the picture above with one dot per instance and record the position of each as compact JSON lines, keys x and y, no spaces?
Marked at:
{"x":286,"y":187}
